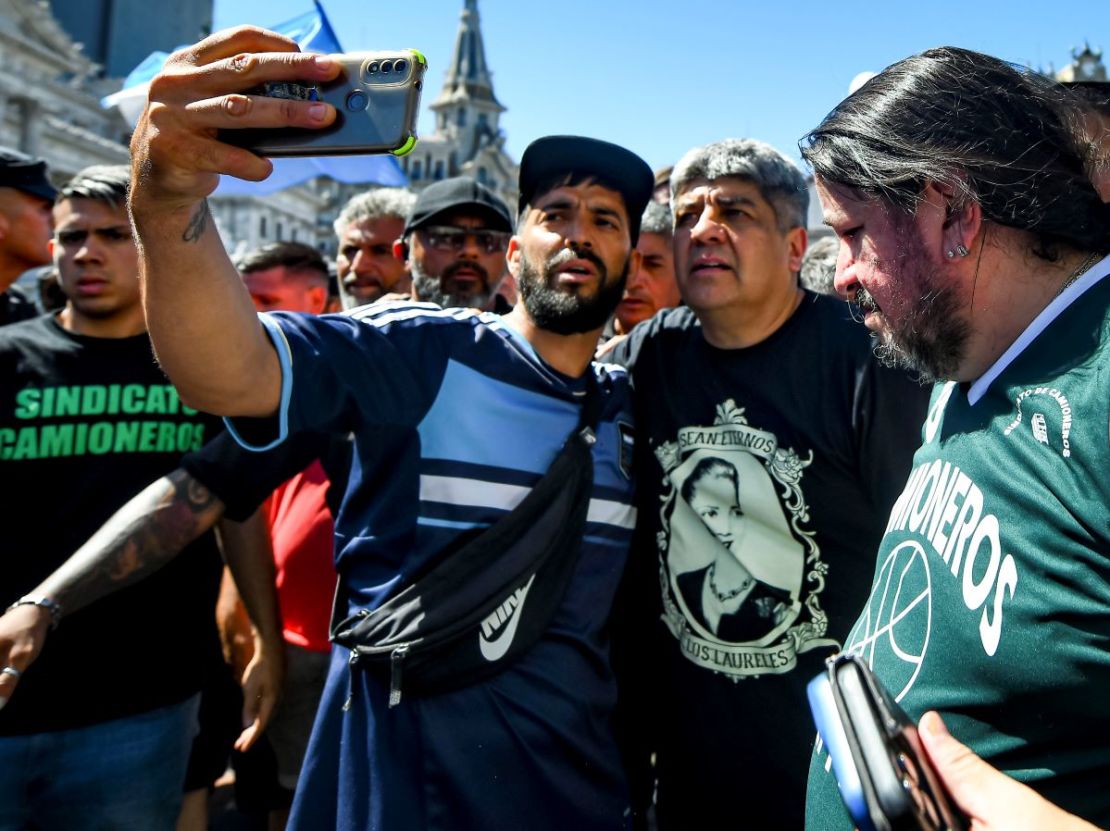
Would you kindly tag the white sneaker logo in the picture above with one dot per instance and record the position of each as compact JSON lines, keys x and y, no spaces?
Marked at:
{"x":507,"y":618}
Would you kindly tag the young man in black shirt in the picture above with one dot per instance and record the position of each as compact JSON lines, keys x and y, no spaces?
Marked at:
{"x":98,"y":730}
{"x":770,"y":448}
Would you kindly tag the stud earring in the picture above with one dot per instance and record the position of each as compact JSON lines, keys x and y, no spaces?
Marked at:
{"x":950,"y":253}
{"x":962,"y":251}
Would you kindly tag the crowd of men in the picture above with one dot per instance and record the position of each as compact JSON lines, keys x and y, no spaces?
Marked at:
{"x":548,"y":518}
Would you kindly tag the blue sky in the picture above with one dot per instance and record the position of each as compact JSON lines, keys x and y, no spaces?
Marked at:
{"x":660,"y":77}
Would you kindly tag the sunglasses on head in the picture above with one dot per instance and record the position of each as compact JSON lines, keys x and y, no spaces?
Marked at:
{"x":452,"y":238}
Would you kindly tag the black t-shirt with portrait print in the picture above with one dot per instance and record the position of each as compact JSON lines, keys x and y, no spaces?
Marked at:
{"x":85,"y":424}
{"x":765,"y":477}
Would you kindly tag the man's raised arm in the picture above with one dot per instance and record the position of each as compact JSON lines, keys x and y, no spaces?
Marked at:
{"x":201,"y":319}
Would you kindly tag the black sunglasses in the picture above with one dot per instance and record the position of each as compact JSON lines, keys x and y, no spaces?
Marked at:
{"x":453,"y":238}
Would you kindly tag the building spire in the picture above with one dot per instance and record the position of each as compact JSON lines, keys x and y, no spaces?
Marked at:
{"x":468,"y":76}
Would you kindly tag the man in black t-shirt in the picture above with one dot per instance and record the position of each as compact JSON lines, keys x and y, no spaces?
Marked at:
{"x":771,"y":447}
{"x":96,"y":732}
{"x":26,"y":197}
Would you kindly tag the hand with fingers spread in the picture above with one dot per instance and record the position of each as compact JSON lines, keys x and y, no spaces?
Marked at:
{"x":992,"y":800}
{"x":176,"y":152}
{"x":22,"y":634}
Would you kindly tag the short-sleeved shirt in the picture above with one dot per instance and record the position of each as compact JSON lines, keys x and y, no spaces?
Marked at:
{"x":86,"y":424}
{"x":454,"y":417}
{"x":778,"y":461}
{"x":991,"y":594}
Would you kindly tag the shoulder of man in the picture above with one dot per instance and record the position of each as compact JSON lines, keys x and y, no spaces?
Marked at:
{"x":37,"y":330}
{"x":410,"y":314}
{"x":16,"y":304}
{"x":666,"y":324}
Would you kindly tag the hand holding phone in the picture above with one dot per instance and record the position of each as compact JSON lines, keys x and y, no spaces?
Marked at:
{"x":883,"y":773}
{"x":376,"y":97}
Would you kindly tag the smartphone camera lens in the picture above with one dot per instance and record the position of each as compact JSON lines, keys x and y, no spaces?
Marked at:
{"x":387,"y":66}
{"x":400,"y":66}
{"x":357,"y":101}
{"x":372,"y":68}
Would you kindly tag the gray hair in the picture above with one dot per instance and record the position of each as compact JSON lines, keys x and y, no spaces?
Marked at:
{"x":779,"y":180}
{"x":379,"y":203}
{"x":657,"y":220}
{"x":103,"y":182}
{"x":819,"y":265}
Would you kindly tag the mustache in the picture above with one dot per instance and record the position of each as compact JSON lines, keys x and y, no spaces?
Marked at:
{"x":865,"y":301}
{"x":458,"y":265}
{"x":353,"y":279}
{"x":566,"y":255}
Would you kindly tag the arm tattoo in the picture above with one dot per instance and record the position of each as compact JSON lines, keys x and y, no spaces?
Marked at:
{"x":141,"y":537}
{"x":198,"y":224}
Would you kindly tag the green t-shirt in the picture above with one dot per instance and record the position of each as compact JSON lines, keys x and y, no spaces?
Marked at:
{"x":991,"y":598}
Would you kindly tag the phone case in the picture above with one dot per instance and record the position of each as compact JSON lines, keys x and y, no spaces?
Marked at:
{"x":377,"y":100}
{"x":884,"y":776}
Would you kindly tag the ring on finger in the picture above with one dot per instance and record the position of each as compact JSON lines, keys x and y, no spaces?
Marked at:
{"x":12,"y":671}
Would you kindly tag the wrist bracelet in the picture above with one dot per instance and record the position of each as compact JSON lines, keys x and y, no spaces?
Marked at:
{"x":42,"y":602}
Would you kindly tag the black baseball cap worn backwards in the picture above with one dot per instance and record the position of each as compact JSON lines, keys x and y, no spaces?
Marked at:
{"x":25,"y":173}
{"x":458,"y":193}
{"x":549,"y":157}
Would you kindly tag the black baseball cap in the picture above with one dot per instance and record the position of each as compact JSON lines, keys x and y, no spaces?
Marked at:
{"x":550,"y":157}
{"x":454,"y":194}
{"x":25,"y":173}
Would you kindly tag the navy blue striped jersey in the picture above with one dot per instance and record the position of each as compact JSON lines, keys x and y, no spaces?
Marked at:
{"x":454,"y":417}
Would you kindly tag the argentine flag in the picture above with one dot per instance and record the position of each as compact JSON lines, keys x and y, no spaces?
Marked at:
{"x":313,"y":33}
{"x":311,"y":30}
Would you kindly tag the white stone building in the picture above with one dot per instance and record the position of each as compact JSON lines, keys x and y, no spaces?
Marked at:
{"x":50,"y":94}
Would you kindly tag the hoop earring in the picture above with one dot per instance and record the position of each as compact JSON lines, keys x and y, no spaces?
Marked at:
{"x":962,"y":251}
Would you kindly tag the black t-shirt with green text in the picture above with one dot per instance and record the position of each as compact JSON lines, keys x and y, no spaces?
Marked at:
{"x":991,"y":595}
{"x":85,"y":424}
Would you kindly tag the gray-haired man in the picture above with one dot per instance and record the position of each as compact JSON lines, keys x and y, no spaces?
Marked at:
{"x":770,"y":444}
{"x":367,"y":227}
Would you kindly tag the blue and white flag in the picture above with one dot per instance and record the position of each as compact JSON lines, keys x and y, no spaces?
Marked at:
{"x":311,"y":31}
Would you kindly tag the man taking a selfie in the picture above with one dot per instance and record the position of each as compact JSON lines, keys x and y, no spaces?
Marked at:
{"x":456,"y":415}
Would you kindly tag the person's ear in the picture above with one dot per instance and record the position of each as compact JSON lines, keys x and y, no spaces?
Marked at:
{"x":318,"y":299}
{"x":962,"y":219}
{"x":796,"y":241}
{"x":401,"y":250}
{"x":512,"y":256}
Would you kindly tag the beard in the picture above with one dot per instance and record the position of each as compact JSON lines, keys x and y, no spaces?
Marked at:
{"x":430,"y":289}
{"x":569,"y":311}
{"x":928,"y":334}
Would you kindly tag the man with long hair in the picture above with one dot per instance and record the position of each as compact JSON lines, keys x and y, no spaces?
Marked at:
{"x":975,"y":244}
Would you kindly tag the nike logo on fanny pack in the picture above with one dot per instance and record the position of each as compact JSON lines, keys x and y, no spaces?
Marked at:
{"x":505,"y":617}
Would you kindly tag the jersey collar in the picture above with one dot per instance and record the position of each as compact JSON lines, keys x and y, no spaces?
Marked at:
{"x":1041,"y":322}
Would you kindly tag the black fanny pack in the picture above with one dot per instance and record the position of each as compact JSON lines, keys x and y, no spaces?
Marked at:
{"x":482,"y":605}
